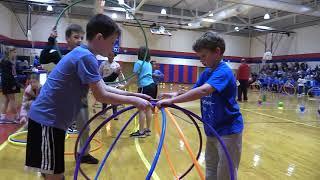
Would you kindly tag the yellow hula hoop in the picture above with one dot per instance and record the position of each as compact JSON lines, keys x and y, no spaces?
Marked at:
{"x":11,"y":138}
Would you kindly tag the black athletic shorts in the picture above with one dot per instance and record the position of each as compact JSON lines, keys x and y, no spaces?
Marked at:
{"x":150,"y":90}
{"x":45,"y":149}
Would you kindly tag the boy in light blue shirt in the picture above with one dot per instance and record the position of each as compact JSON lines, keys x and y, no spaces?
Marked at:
{"x":216,"y":88}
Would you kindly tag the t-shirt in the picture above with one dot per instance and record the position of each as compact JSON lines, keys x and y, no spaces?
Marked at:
{"x":106,"y":68}
{"x":243,"y":72}
{"x":60,"y":97}
{"x":144,"y":73}
{"x":220,"y":108}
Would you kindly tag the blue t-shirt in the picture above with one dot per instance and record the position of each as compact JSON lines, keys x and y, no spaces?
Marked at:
{"x":144,"y":73}
{"x":157,"y":76}
{"x":220,"y":109}
{"x":60,"y":97}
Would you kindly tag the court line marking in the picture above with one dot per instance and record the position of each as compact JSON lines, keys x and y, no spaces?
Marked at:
{"x":144,"y":159}
{"x":267,"y":115}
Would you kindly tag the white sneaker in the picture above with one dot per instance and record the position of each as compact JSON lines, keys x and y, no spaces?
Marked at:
{"x":2,"y":117}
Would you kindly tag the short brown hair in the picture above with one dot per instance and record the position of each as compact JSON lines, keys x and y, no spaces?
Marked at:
{"x":73,"y":28}
{"x":209,"y":40}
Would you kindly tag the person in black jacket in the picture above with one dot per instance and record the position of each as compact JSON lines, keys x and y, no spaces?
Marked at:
{"x":74,"y":36}
{"x":9,"y":85}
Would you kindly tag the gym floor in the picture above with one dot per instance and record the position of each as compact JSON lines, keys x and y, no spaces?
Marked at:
{"x":277,"y":144}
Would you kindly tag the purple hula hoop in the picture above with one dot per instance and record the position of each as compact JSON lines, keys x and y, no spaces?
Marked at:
{"x":187,"y":112}
{"x":76,"y":171}
{"x":81,"y":132}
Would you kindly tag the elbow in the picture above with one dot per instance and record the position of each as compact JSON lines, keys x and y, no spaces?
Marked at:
{"x":206,"y":90}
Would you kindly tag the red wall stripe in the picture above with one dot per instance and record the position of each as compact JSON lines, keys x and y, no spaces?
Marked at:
{"x":176,"y":73}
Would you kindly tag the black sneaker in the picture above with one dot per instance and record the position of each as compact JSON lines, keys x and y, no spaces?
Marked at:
{"x":147,"y":132}
{"x":88,"y":159}
{"x":138,"y":134}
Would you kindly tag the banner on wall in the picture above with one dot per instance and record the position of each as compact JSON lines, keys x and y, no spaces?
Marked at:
{"x":116,"y":47}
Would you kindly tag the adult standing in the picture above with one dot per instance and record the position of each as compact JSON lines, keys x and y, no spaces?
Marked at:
{"x":243,"y":76}
{"x":9,"y":84}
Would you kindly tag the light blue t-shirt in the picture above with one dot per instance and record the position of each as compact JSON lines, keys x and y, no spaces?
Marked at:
{"x":220,"y":109}
{"x":60,"y":97}
{"x":144,"y":73}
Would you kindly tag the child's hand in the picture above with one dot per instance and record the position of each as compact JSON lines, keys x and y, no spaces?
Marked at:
{"x":140,"y":103}
{"x":164,"y":102}
{"x":168,"y":95}
{"x":23,"y":120}
{"x":54,"y":32}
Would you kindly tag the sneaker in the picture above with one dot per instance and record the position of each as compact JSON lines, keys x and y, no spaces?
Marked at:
{"x":147,"y":132}
{"x":88,"y":159}
{"x":3,"y":117}
{"x":138,"y":134}
{"x":72,"y":131}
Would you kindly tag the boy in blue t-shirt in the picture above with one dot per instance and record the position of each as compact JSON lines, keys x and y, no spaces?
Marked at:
{"x":216,"y":88}
{"x":60,"y":98}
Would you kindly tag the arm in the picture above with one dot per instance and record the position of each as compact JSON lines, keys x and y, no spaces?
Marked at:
{"x":191,"y":95}
{"x":111,"y":95}
{"x":121,"y":92}
{"x":49,"y":54}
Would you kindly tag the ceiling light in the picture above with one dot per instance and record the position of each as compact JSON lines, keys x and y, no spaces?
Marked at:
{"x":266,"y":16}
{"x":163,"y":11}
{"x":121,"y":2}
{"x":211,"y":14}
{"x":114,"y":16}
{"x":49,"y":8}
{"x":236,"y":28}
{"x":103,"y":2}
{"x":208,"y":20}
{"x":264,"y":27}
{"x":129,"y":16}
{"x":189,"y":24}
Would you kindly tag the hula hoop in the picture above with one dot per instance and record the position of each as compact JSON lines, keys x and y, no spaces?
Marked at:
{"x":13,"y":141}
{"x":78,"y":167}
{"x":23,"y":143}
{"x":91,"y":150}
{"x":128,"y":11}
{"x":289,"y":85}
{"x":316,"y":97}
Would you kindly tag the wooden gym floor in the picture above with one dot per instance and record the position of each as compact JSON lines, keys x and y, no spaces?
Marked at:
{"x":277,"y":144}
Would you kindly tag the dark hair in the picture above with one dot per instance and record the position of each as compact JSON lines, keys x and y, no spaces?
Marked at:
{"x":73,"y":28}
{"x":103,"y":24}
{"x":141,"y":53}
{"x":209,"y":40}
